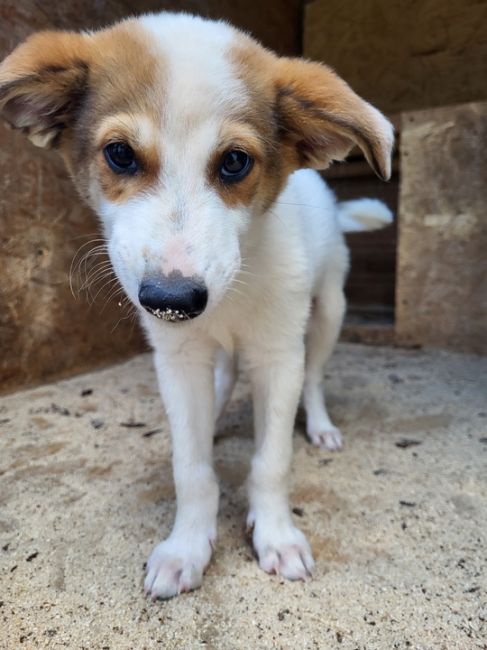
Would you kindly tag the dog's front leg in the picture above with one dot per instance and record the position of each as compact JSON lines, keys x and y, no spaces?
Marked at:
{"x":185,"y":376}
{"x":277,"y":379}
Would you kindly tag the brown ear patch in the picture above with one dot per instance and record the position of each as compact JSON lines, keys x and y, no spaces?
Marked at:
{"x":43,"y":105}
{"x":308,"y":113}
{"x":42,"y":84}
{"x":317,"y":133}
{"x":59,"y":88}
{"x":322,"y":118}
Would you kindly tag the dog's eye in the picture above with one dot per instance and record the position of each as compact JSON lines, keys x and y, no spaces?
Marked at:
{"x":235,"y":165}
{"x":121,"y":158}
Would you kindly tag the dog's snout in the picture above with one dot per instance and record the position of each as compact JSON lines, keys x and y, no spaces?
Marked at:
{"x":174,"y":297}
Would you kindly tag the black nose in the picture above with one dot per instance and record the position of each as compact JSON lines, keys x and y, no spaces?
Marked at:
{"x":173,"y":297}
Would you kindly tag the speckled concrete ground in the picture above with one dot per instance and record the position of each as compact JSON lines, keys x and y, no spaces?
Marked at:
{"x":397,"y":521}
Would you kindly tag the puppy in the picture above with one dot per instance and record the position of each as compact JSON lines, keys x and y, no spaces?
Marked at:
{"x":190,"y":141}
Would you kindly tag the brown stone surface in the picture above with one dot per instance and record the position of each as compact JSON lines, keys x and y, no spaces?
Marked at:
{"x":276,"y":24}
{"x":44,"y":331}
{"x":403,"y":55}
{"x":442,"y":264}
{"x":397,"y":521}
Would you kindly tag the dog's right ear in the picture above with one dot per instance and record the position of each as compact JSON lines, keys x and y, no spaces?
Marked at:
{"x":42,"y":84}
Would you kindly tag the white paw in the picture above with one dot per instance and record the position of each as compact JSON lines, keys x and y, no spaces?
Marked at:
{"x":327,"y":437}
{"x":282,"y":549}
{"x":176,"y":565}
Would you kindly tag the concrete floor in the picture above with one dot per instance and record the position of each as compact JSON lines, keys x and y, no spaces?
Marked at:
{"x":397,"y":521}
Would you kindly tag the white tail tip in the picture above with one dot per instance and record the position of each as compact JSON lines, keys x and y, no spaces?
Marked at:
{"x":363,"y":214}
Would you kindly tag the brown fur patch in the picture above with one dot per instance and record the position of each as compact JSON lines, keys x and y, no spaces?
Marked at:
{"x":59,"y":87}
{"x":255,"y":66}
{"x":138,"y":132}
{"x":315,"y":116}
{"x":123,"y":79}
{"x":42,"y":83}
{"x":323,"y":118}
{"x":241,"y":136}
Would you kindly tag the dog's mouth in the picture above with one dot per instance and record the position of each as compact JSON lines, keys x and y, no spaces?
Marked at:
{"x":169,"y":315}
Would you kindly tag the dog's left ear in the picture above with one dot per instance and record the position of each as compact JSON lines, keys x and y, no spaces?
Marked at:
{"x":321,"y":118}
{"x":42,"y":83}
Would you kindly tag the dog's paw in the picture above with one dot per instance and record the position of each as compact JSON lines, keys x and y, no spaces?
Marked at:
{"x":328,"y":437}
{"x":176,"y":566}
{"x":283,"y":549}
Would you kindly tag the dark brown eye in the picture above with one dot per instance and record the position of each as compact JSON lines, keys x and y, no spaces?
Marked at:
{"x":120,"y":158}
{"x":235,"y":166}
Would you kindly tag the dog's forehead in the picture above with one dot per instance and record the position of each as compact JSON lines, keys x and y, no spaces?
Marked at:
{"x":197,"y":75}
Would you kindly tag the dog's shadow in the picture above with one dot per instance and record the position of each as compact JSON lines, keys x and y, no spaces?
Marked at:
{"x":233,"y":450}
{"x":234,"y":445}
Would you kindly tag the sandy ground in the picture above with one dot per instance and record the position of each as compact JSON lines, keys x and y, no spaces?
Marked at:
{"x":397,"y":521}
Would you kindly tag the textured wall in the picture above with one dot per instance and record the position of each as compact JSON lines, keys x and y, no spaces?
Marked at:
{"x":403,"y":55}
{"x":44,"y":331}
{"x":442,"y":264}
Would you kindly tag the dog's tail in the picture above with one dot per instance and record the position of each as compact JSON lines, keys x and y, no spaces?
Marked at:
{"x":363,"y":214}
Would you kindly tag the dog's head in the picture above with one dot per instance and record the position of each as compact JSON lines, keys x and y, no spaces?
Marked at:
{"x":180,"y":132}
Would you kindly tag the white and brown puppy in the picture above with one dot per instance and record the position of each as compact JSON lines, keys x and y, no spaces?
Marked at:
{"x":185,"y":136}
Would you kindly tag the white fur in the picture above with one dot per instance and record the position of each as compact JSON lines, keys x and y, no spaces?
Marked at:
{"x":295,"y":253}
{"x":274,"y":281}
{"x":363,"y":214}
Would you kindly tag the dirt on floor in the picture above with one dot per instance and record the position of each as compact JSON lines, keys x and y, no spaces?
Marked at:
{"x":397,"y":521}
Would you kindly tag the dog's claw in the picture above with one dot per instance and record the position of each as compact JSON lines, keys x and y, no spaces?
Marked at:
{"x":291,"y":562}
{"x":283,"y":550}
{"x":329,"y":438}
{"x":176,"y":567}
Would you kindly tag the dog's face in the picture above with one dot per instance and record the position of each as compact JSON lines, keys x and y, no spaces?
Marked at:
{"x":180,"y":133}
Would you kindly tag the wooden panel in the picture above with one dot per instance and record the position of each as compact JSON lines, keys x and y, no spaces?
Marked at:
{"x":442,"y":270}
{"x":370,"y":287}
{"x":371,"y":281}
{"x":406,"y":54}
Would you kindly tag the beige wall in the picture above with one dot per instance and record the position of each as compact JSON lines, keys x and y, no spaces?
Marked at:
{"x":442,"y":259}
{"x":44,"y":331}
{"x":402,"y":56}
{"x":406,"y":54}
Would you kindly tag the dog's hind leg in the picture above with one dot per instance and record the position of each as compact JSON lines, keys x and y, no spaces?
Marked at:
{"x":323,"y":330}
{"x":225,"y":379}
